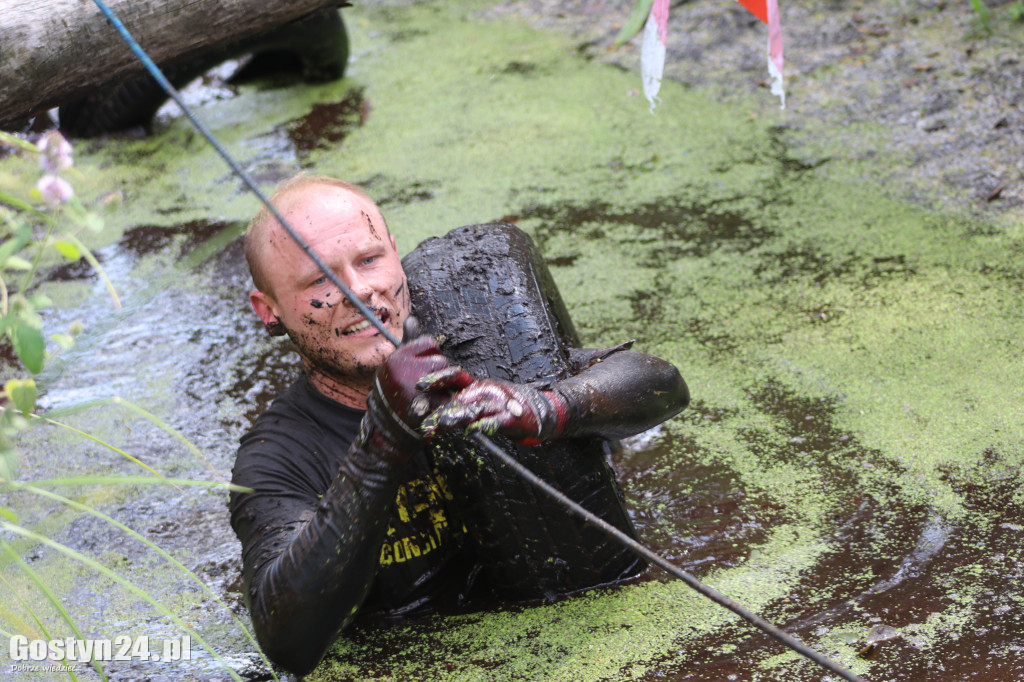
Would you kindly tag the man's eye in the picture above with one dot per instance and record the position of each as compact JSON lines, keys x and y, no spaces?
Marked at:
{"x":320,"y":280}
{"x":369,"y":260}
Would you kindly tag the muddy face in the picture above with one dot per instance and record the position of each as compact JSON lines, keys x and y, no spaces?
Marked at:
{"x":339,"y":346}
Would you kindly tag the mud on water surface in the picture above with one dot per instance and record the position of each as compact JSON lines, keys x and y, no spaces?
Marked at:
{"x":850,"y":466}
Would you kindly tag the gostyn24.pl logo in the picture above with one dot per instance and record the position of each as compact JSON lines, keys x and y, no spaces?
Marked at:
{"x":121,"y":648}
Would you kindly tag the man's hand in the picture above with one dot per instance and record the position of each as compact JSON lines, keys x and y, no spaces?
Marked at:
{"x":395,"y":407}
{"x":490,"y":406}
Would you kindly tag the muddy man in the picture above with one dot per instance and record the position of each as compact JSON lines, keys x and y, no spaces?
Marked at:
{"x":347,"y":514}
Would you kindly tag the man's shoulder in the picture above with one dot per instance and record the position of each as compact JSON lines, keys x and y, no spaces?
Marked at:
{"x":300,"y":431}
{"x":302,"y":411}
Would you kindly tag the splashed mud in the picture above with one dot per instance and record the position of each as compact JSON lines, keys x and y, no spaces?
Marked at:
{"x":850,"y":467}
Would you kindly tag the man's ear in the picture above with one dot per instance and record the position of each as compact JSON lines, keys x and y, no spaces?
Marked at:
{"x":394,"y":244}
{"x":266,"y":310}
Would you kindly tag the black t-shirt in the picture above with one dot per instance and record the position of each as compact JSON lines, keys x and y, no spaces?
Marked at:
{"x":290,"y":457}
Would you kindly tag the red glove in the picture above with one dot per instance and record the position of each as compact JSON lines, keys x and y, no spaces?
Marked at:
{"x":395,"y":408}
{"x":491,"y":406}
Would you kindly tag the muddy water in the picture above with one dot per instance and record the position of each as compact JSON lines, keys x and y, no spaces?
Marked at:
{"x":181,"y":348}
{"x":850,"y":466}
{"x":892,"y":577}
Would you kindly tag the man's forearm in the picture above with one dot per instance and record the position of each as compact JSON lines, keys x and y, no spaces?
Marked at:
{"x":621,"y":394}
{"x":307,"y":577}
{"x":612,"y":393}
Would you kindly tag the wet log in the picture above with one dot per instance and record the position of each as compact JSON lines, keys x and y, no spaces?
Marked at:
{"x":59,"y":50}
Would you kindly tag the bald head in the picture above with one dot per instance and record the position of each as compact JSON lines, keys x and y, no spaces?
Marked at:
{"x":291,"y":192}
{"x":340,"y":347}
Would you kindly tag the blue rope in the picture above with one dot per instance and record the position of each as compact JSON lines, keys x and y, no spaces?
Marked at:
{"x":155,"y":71}
{"x":574,"y":507}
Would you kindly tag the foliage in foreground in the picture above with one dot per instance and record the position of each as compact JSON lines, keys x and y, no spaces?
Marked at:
{"x":983,"y":15}
{"x":42,"y":224}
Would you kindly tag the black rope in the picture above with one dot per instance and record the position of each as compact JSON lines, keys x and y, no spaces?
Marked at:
{"x":670,"y":568}
{"x":155,"y":71}
{"x":631,"y":544}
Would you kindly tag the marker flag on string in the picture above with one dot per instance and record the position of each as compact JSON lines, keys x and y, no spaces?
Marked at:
{"x":768,"y":12}
{"x":652,"y":51}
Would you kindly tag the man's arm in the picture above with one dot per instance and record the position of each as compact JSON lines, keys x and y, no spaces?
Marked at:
{"x":613,"y":393}
{"x":620,"y":393}
{"x":308,"y":567}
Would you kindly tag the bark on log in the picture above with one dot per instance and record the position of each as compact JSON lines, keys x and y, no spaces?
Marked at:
{"x":54,"y":51}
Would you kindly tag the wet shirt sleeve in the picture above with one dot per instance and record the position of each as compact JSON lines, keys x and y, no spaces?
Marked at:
{"x":326,"y":522}
{"x":617,"y":392}
{"x":311,"y":529}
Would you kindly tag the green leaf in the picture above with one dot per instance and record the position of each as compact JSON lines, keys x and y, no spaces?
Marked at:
{"x":981,"y":9}
{"x":16,"y":202}
{"x":39,"y":301}
{"x":64,"y":341}
{"x":10,"y":247}
{"x":17,"y":263}
{"x":636,"y":21}
{"x":29,"y":345}
{"x":23,"y":393}
{"x":8,"y":514}
{"x":8,"y":465}
{"x":22,"y":230}
{"x":14,"y":141}
{"x":67,"y":249}
{"x":26,"y":312}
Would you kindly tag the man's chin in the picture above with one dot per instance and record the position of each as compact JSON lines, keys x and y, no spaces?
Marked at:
{"x":358,"y":365}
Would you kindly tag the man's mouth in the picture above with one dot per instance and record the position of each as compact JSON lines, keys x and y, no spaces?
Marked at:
{"x":365,"y":324}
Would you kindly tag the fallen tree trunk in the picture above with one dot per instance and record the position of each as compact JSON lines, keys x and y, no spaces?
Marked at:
{"x":59,"y":50}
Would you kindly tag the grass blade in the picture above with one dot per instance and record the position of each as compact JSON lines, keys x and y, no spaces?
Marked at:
{"x":635,"y":22}
{"x":145,"y":414}
{"x":104,"y":443}
{"x":52,"y":598}
{"x":124,"y":582}
{"x":148,"y":543}
{"x":132,"y":480}
{"x":95,"y":265}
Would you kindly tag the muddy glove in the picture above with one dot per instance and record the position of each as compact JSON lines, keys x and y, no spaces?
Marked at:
{"x":491,"y":406}
{"x":395,"y":408}
{"x":614,"y":393}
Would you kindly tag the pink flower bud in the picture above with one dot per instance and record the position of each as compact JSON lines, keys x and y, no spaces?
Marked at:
{"x":55,"y":190}
{"x":56,"y":152}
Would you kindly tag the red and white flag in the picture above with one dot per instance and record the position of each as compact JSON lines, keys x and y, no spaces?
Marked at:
{"x":768,"y":12}
{"x":652,"y":51}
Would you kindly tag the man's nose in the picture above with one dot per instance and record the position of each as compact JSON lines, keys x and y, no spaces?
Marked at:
{"x":359,"y":287}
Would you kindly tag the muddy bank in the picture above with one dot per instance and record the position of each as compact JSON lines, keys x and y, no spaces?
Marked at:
{"x":923,"y":82}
